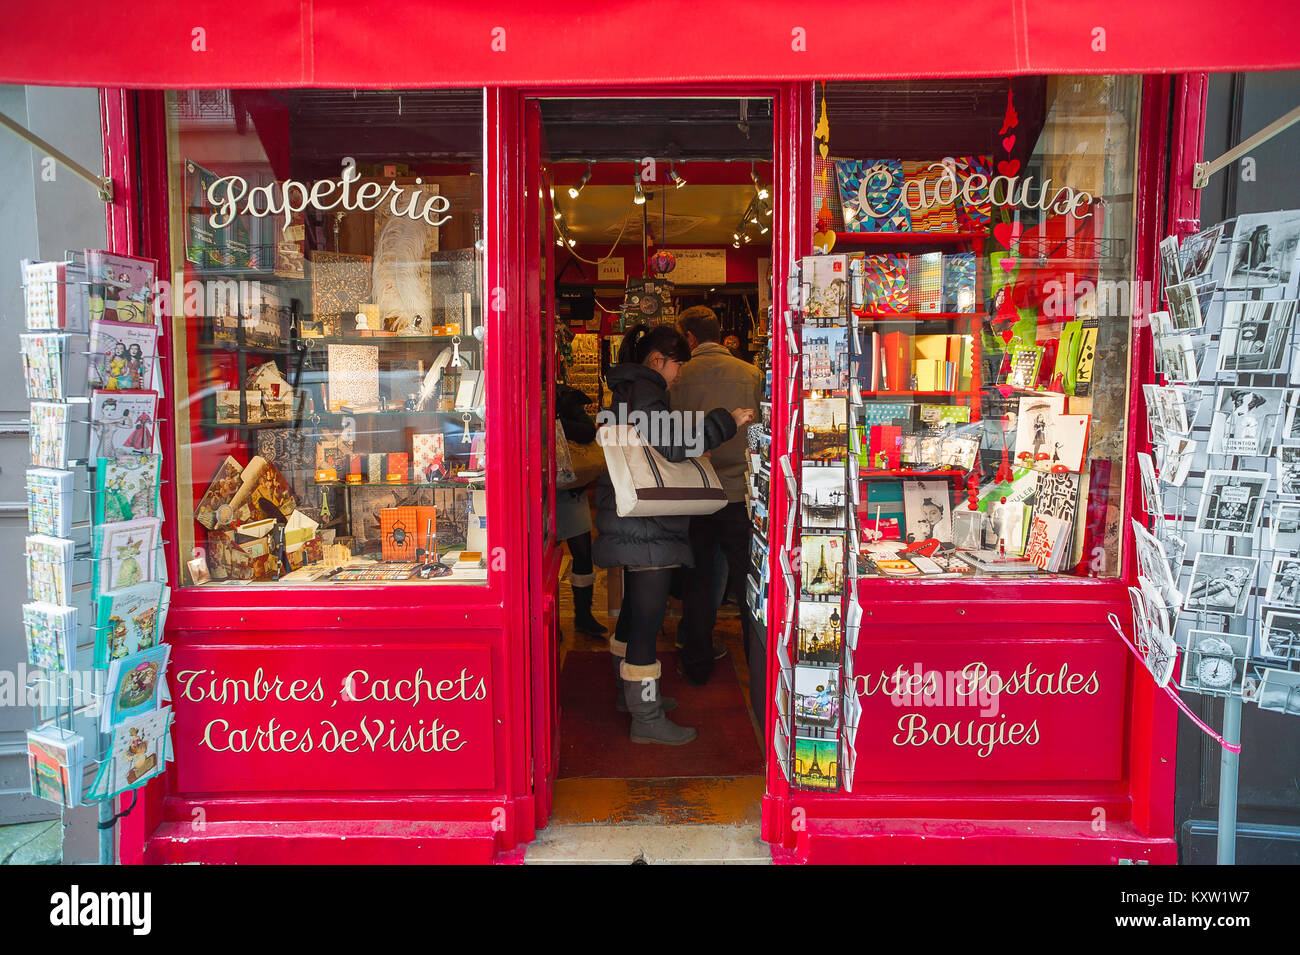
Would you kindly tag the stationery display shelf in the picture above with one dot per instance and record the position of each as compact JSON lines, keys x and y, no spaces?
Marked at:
{"x":476,"y":485}
{"x":919,"y":316}
{"x":234,"y":348}
{"x":241,"y":425}
{"x":398,"y":413}
{"x":910,"y":238}
{"x":869,"y":473}
{"x":947,"y":394}
{"x":466,"y":341}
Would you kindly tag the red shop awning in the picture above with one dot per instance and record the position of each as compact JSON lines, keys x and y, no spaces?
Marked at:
{"x":416,"y":43}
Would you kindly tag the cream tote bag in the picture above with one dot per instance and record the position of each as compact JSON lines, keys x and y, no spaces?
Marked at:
{"x":646,"y":484}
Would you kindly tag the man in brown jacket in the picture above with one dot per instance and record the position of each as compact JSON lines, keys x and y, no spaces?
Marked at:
{"x":714,"y":378}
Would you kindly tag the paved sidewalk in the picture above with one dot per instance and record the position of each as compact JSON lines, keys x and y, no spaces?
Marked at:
{"x":32,"y":843}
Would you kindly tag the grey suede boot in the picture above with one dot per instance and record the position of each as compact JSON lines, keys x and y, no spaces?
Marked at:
{"x":649,"y":724}
{"x":617,"y":651}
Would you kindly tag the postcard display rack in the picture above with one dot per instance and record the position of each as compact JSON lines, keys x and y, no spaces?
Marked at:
{"x":96,"y":588}
{"x":1217,"y":607}
{"x":815,"y":709}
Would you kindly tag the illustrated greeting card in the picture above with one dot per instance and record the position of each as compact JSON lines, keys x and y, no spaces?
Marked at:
{"x":134,"y":686}
{"x":129,"y":620}
{"x":137,"y":753}
{"x":127,"y":487}
{"x":125,"y":553}
{"x":121,"y":287}
{"x":122,"y":421}
{"x":122,"y":356}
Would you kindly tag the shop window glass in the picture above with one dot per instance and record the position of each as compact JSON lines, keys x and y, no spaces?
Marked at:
{"x":327,"y":332}
{"x":990,"y":312}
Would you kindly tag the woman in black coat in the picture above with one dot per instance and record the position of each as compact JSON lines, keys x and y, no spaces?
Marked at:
{"x":649,"y":548}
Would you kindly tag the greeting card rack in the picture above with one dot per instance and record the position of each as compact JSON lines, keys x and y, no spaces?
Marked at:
{"x":1215,"y":586}
{"x":94,"y":531}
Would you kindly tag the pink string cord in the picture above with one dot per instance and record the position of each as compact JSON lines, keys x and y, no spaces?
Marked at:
{"x":1178,"y":700}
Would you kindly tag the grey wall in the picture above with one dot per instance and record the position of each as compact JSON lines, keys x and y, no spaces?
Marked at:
{"x":38,"y":219}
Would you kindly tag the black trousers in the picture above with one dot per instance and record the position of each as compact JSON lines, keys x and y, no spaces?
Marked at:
{"x":728,"y":529}
{"x":641,"y":615}
{"x":580,"y":551}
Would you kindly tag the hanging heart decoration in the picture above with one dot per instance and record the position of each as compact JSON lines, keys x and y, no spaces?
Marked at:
{"x":1008,"y":234}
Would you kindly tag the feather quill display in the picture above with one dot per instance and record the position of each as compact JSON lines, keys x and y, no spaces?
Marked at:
{"x":400,"y":280}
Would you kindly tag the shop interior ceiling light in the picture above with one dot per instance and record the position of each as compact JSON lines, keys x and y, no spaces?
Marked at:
{"x":678,"y":181}
{"x":639,"y":198}
{"x":575,"y":191}
{"x":758,"y":187}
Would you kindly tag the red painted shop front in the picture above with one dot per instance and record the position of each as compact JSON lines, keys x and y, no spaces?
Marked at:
{"x":420,"y":724}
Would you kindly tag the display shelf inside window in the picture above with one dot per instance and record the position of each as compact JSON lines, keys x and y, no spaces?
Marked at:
{"x":334,"y":428}
{"x":989,"y":371}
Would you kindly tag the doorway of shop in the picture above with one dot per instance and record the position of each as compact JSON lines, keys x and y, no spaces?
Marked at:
{"x":638,"y":209}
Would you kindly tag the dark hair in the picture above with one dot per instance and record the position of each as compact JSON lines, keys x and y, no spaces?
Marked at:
{"x":641,"y":340}
{"x":702,"y":322}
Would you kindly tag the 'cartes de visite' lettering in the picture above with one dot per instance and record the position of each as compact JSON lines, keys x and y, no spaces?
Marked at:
{"x":348,"y":734}
{"x":287,"y":198}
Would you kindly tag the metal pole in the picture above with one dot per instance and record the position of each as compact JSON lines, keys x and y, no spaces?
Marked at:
{"x":1227,"y":850}
{"x":103,"y":185}
{"x":106,"y":833}
{"x":1202,"y":171}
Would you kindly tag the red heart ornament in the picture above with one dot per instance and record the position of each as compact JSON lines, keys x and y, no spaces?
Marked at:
{"x":1008,"y":264}
{"x":1009,"y":167}
{"x":1008,"y":233}
{"x":1006,"y":335}
{"x":1008,"y":142}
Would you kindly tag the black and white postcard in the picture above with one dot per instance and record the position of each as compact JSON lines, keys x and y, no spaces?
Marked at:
{"x":1231,"y":502}
{"x":1284,"y":582}
{"x":1288,"y":471}
{"x":1175,"y":350}
{"x":1284,"y":527}
{"x":1153,"y":564}
{"x":1291,"y":427}
{"x":1197,"y":253}
{"x":1280,"y":691}
{"x":1245,"y":420}
{"x":1262,"y":249}
{"x":1174,"y":460}
{"x":1256,"y":336}
{"x":1221,"y":583}
{"x":1171,"y":270}
{"x":1280,"y":638}
{"x":1215,"y":662}
{"x":927,"y":511}
{"x":1184,"y":307}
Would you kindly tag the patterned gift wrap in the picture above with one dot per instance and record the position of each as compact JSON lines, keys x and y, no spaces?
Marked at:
{"x":826,"y":193}
{"x":339,"y":284}
{"x":941,"y":217}
{"x":959,"y":282}
{"x":925,"y":276}
{"x":884,"y":282}
{"x":884,"y":192}
{"x":974,"y":217}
